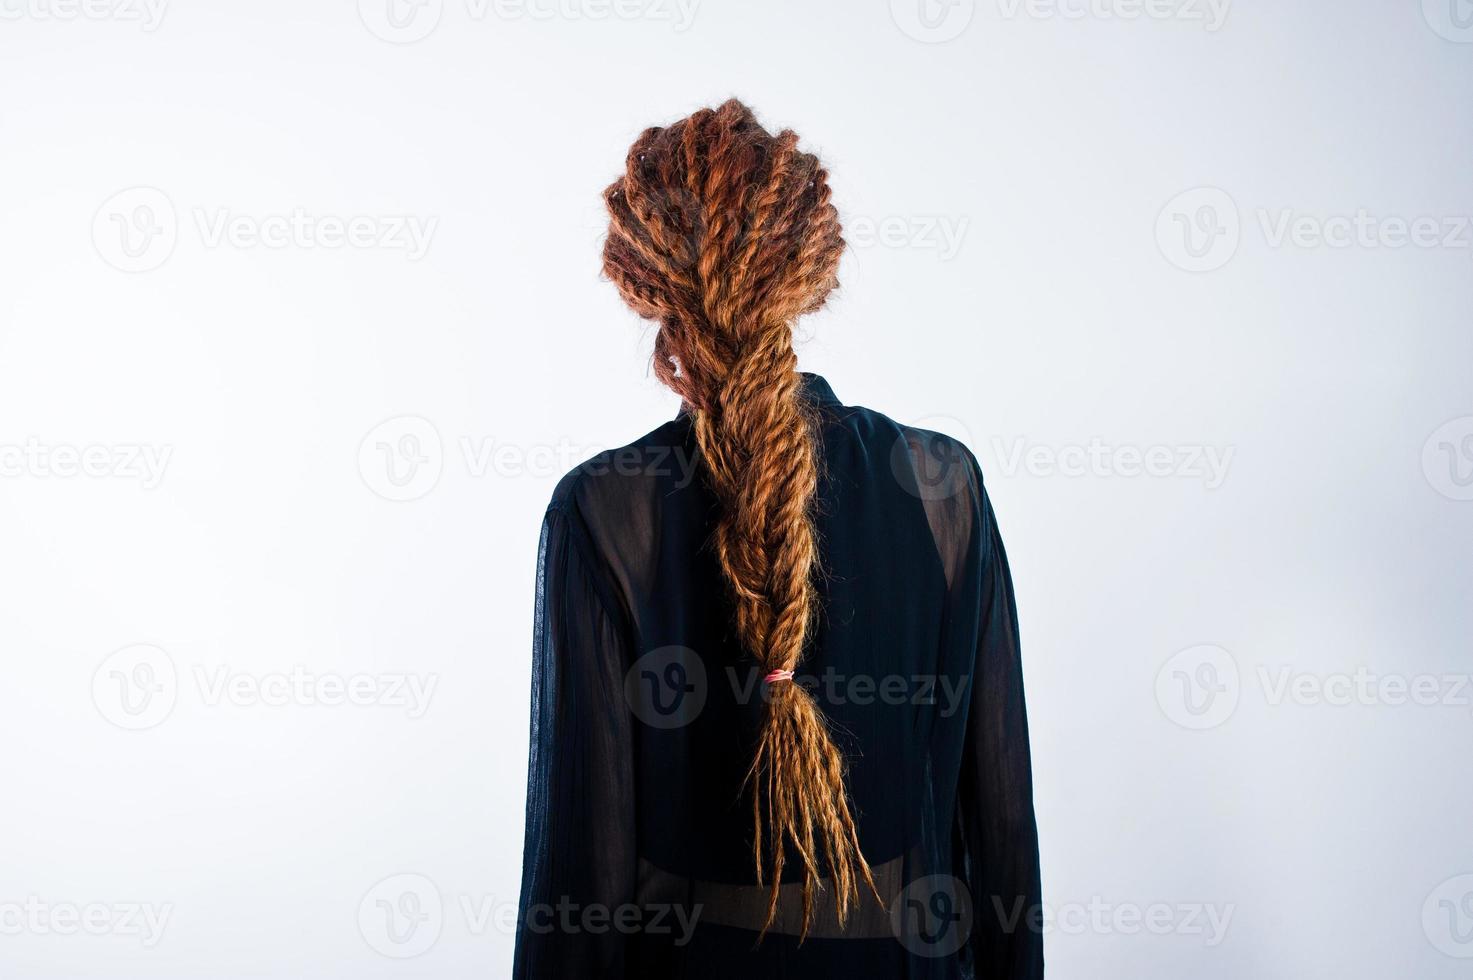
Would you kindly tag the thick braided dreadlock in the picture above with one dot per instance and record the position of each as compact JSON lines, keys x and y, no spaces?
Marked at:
{"x":724,"y":235}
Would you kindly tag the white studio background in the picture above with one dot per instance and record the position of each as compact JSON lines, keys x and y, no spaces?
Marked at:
{"x":301,"y":320}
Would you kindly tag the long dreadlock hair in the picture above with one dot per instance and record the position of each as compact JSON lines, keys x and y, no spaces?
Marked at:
{"x":723,"y":234}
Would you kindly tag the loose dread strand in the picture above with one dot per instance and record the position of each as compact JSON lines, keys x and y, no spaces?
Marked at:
{"x":724,"y":235}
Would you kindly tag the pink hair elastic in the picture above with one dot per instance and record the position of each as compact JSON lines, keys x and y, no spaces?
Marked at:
{"x":778,"y":675}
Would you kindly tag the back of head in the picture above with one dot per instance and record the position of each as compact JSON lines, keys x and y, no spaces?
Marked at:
{"x":723,"y":234}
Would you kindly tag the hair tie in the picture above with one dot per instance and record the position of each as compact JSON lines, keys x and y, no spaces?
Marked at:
{"x":778,"y":675}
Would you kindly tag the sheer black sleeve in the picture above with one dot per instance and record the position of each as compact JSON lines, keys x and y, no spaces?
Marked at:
{"x":995,"y":802}
{"x":578,"y":866}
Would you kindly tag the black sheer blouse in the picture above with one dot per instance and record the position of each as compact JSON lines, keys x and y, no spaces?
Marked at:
{"x":638,"y":858}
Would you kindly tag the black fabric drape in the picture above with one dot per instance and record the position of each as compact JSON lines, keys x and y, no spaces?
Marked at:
{"x":638,"y":860}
